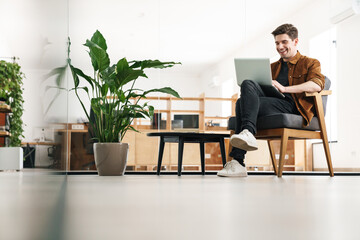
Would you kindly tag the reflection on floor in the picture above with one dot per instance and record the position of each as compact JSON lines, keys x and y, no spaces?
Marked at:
{"x":42,"y":206}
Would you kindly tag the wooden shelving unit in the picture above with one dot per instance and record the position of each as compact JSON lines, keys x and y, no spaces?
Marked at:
{"x":4,"y":110}
{"x":202,"y":101}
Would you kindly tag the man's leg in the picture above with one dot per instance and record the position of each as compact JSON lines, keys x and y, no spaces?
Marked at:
{"x":249,"y":104}
{"x":270,"y":105}
{"x":252,"y":104}
{"x":247,"y":108}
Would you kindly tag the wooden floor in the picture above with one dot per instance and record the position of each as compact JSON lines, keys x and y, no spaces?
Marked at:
{"x":36,"y":205}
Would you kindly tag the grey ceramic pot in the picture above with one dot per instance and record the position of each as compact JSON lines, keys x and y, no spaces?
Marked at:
{"x":111,"y":158}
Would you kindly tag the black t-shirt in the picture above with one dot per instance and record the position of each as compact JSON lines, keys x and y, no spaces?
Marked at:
{"x":283,"y":78}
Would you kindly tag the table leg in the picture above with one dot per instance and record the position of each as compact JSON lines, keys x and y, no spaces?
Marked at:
{"x":180,"y":154}
{"x":202,"y":156}
{"x":161,"y":151}
{"x":222,"y":149}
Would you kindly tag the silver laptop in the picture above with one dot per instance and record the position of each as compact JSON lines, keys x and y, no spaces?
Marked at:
{"x":258,"y":70}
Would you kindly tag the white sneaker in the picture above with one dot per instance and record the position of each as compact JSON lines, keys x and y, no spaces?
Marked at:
{"x":244,"y":140}
{"x":233,"y":169}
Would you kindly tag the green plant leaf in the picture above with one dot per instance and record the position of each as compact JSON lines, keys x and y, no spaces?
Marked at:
{"x":99,"y":57}
{"x":121,"y":96}
{"x":167,"y":90}
{"x":99,"y":39}
{"x":152,"y":64}
{"x":75,"y":77}
{"x":125,"y":74}
{"x":122,"y":65}
{"x":104,"y":90}
{"x":80,"y":73}
{"x":109,"y":73}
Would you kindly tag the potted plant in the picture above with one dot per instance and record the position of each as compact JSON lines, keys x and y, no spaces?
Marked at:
{"x":11,"y":81}
{"x":114,"y":102}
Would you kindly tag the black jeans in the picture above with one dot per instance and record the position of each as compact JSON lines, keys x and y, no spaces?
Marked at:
{"x":253,"y":103}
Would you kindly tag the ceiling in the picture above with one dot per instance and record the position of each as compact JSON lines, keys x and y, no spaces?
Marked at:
{"x":197,"y":33}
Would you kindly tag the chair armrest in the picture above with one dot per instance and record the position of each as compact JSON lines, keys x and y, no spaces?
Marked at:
{"x":322,"y":93}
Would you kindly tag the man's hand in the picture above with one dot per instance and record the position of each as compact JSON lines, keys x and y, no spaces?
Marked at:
{"x":308,"y":86}
{"x":279,"y":87}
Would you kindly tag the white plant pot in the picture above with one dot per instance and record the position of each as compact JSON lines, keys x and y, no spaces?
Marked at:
{"x":111,"y":158}
{"x":11,"y":158}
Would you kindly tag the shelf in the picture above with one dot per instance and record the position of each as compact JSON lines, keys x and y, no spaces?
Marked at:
{"x":4,"y":108}
{"x":4,"y":134}
{"x":200,"y":110}
{"x":39,"y":143}
{"x":216,"y":117}
{"x":178,"y":111}
{"x":186,"y":111}
{"x":218,"y":99}
{"x":216,"y":128}
{"x":175,"y":99}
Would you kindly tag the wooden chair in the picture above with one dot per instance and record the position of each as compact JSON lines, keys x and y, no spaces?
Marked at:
{"x":284,"y":127}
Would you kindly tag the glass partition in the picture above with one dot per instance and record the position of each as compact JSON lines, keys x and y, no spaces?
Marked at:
{"x":35,"y":33}
{"x":34,"y":36}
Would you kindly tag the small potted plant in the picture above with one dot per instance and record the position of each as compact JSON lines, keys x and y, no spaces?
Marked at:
{"x":115,"y":102}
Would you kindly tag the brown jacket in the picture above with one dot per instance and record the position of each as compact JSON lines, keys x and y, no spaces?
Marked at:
{"x":302,"y":69}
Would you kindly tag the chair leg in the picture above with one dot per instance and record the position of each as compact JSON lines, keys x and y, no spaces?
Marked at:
{"x":320,"y":113}
{"x":202,"y":157}
{"x":273,"y":159}
{"x":232,"y":132}
{"x":327,"y":152}
{"x":222,"y":150}
{"x":160,"y":157}
{"x":180,"y":155}
{"x":284,"y":141}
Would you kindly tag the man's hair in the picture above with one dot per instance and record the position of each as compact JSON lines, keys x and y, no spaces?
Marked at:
{"x":288,"y":29}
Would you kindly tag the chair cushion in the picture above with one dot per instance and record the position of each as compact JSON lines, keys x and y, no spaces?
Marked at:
{"x":280,"y":120}
{"x":286,"y":120}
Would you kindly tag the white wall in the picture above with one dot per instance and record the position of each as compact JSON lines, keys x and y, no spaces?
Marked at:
{"x":123,"y":24}
{"x":346,"y":152}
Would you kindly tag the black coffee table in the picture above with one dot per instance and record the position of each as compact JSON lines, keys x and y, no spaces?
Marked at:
{"x":189,"y":137}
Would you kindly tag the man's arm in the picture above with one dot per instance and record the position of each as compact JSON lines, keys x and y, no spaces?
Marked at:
{"x":309,"y":86}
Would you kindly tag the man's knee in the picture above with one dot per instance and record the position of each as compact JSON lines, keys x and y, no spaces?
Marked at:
{"x":247,"y":83}
{"x":250,"y":85}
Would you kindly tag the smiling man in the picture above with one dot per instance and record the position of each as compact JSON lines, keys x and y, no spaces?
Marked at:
{"x":293,"y":74}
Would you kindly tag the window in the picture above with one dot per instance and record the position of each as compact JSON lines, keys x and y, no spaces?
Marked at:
{"x":323,"y":48}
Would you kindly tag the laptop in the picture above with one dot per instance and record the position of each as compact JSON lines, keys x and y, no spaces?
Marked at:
{"x":258,"y":70}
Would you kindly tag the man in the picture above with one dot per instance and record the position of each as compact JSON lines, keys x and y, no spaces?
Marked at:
{"x":295,"y":74}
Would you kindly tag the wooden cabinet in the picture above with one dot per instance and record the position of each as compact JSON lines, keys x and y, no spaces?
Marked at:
{"x":295,"y":158}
